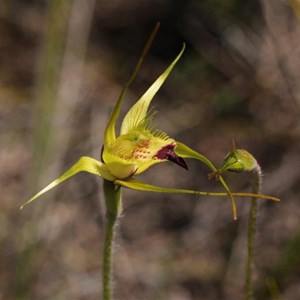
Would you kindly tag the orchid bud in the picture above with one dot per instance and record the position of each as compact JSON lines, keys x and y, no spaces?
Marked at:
{"x":238,"y":160}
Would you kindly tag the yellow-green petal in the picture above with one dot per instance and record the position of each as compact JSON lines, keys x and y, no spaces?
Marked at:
{"x":84,"y":164}
{"x":135,"y":184}
{"x":145,"y":166}
{"x":139,"y":110}
{"x":141,"y":186}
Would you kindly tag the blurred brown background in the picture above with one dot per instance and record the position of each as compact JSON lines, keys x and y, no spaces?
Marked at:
{"x":63,"y":64}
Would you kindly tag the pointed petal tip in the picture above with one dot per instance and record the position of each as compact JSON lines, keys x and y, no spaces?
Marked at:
{"x":180,"y":162}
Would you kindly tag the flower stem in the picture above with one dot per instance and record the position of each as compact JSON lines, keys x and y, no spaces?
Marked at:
{"x":252,"y":220}
{"x":113,"y":202}
{"x":107,"y":257}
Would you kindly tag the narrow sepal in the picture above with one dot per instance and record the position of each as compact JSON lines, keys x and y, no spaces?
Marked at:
{"x":141,"y":186}
{"x":135,"y":184}
{"x":84,"y":164}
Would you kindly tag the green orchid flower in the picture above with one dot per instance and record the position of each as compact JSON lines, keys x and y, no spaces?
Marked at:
{"x":137,"y":148}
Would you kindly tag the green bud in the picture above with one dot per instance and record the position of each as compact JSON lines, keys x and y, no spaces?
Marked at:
{"x":238,"y":160}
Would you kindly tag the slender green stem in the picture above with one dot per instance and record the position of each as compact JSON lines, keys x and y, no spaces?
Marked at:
{"x":107,"y":257}
{"x":251,"y":235}
{"x":113,"y":202}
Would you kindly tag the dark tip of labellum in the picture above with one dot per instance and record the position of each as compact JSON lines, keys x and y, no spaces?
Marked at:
{"x":177,"y":160}
{"x":168,"y":153}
